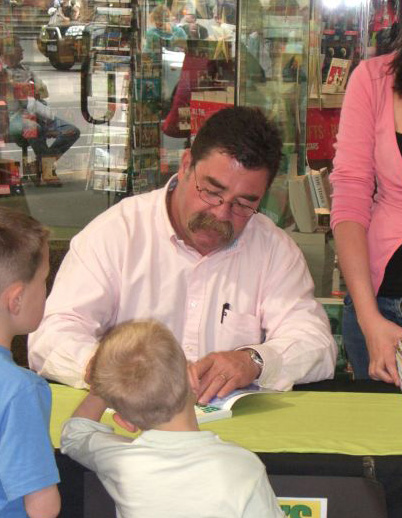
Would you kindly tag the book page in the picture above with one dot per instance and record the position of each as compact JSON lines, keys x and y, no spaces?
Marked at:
{"x":228,"y":401}
{"x":207,"y":413}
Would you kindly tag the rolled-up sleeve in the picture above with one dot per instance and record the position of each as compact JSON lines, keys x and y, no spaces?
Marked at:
{"x":298,"y":346}
{"x":80,"y":308}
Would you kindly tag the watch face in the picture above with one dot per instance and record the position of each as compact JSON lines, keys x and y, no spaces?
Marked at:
{"x":256,"y":358}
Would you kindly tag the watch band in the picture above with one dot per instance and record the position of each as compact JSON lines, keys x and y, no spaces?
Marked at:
{"x":256,"y":358}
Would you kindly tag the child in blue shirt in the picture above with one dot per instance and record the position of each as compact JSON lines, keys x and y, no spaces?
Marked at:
{"x":28,"y":472}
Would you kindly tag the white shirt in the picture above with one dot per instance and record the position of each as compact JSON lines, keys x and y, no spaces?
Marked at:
{"x":128,"y":263}
{"x":172,"y":474}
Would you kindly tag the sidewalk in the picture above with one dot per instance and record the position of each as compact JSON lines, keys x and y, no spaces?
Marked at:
{"x":32,"y":56}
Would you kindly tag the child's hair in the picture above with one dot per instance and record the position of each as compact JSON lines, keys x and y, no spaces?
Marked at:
{"x":140,"y":371}
{"x":21,"y":246}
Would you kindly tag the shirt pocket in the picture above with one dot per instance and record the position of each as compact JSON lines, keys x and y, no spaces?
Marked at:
{"x":238,"y":329}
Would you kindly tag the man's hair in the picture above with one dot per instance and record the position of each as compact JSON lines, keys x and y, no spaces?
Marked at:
{"x":243,"y":133}
{"x":21,"y":246}
{"x":140,"y":371}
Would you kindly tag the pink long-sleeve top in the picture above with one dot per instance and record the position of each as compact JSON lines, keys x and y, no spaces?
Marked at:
{"x":367,"y":154}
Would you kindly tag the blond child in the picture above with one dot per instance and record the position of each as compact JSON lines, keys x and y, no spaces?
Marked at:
{"x":28,"y":472}
{"x":172,"y":469}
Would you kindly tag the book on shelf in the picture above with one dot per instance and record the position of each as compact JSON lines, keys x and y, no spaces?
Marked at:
{"x":314,"y":198}
{"x":221,"y":408}
{"x":337,"y":76}
{"x":320,"y":188}
{"x":301,"y":203}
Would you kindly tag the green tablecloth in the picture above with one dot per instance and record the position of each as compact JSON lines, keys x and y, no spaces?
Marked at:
{"x":299,"y":422}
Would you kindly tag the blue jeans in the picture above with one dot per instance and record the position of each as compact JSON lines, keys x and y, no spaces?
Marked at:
{"x":355,"y":344}
{"x":63,"y":134}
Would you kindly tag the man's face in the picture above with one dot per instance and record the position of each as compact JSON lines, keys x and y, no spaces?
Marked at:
{"x":205,"y":227}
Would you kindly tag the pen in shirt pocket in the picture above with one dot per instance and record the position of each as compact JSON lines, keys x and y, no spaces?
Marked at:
{"x":225,"y":309}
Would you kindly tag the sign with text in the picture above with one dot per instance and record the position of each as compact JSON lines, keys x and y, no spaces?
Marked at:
{"x":322,"y":127}
{"x":303,"y":507}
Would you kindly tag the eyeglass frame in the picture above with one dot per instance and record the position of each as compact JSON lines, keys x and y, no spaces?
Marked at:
{"x":221,"y":200}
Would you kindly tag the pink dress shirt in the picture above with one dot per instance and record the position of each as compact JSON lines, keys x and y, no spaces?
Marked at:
{"x":368,"y":154}
{"x":128,"y":263}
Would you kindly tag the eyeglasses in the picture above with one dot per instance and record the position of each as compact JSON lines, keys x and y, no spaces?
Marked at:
{"x":215,"y":199}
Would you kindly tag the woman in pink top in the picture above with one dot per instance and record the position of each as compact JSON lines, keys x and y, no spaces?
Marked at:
{"x":367,"y":214}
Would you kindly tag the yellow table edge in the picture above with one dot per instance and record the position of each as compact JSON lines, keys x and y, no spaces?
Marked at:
{"x":300,"y":422}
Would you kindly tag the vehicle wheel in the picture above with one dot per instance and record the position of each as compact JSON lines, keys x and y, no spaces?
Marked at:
{"x":58,"y":65}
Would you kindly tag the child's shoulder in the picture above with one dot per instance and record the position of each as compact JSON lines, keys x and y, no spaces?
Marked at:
{"x":229,"y":450}
{"x":18,"y":381}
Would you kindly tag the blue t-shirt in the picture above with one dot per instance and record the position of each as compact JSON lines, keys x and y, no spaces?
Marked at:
{"x":27,"y":462}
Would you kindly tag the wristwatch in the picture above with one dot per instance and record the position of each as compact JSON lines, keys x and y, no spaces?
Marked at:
{"x":256,"y":358}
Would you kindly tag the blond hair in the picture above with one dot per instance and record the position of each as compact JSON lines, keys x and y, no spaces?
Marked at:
{"x":161,"y":14}
{"x":140,"y":370}
{"x":22,"y":239}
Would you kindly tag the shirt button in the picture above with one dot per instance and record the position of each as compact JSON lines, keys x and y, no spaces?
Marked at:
{"x":193,"y":304}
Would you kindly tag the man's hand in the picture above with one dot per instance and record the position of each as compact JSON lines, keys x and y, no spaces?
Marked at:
{"x":382,"y":338}
{"x":220,"y":373}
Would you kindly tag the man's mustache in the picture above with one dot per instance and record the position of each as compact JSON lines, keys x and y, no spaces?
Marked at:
{"x":205,"y":221}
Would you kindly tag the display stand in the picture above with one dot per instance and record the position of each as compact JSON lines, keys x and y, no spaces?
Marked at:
{"x":121,"y":98}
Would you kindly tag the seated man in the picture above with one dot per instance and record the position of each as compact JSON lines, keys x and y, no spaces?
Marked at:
{"x":233,"y":288}
{"x":29,"y":117}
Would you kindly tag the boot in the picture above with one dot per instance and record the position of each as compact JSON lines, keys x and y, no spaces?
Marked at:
{"x":49,"y":176}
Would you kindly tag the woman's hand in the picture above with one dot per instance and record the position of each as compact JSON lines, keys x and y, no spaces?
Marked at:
{"x":382,"y":338}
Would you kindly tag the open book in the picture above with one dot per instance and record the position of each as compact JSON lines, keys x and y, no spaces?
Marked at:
{"x":220,"y":408}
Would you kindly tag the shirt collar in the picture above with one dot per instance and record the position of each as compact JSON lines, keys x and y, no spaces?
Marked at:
{"x":169,"y":187}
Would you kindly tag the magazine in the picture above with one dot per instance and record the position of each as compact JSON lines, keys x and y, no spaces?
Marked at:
{"x":221,"y":408}
{"x":337,"y":76}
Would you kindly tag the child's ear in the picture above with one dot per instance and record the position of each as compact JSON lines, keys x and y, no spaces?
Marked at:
{"x":11,"y":297}
{"x":120,"y":421}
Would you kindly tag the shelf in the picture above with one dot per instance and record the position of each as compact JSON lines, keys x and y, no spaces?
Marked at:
{"x":115,"y":49}
{"x":115,"y":26}
{"x":327,"y":101}
{"x":114,"y":11}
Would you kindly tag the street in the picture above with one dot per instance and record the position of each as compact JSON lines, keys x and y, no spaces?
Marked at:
{"x":68,"y":208}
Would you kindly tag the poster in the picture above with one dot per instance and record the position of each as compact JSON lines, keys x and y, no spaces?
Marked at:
{"x":303,"y":507}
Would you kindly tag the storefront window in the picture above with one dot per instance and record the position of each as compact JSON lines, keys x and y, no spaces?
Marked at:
{"x":99,"y":99}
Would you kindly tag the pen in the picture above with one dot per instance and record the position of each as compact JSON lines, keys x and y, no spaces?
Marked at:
{"x":225,"y":307}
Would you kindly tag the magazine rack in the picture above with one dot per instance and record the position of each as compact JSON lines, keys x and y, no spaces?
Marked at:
{"x":121,"y":98}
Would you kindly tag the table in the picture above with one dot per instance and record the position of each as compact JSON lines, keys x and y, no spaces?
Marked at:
{"x":302,"y":433}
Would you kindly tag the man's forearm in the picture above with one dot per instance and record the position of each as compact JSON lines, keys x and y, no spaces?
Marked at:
{"x":92,"y":407}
